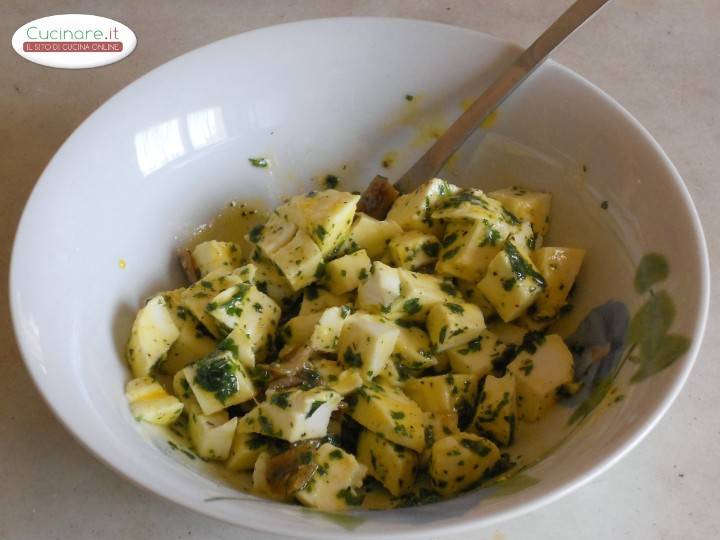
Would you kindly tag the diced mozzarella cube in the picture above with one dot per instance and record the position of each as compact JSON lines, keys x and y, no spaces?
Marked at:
{"x":538,"y":375}
{"x":326,"y":216}
{"x":419,"y":293}
{"x":326,"y":334}
{"x":459,"y":461}
{"x":343,"y":381}
{"x":344,"y":274}
{"x":454,"y":324}
{"x":217,"y":382}
{"x":213,"y":255}
{"x":293,"y":415}
{"x":469,"y":246}
{"x":371,"y":235}
{"x":273,"y":235}
{"x":414,"y":250}
{"x":366,"y":343}
{"x":149,"y":402}
{"x":211,"y":435}
{"x":512,"y":282}
{"x":198,"y":295}
{"x":317,"y":299}
{"x":389,"y":413}
{"x":152,"y":335}
{"x":245,"y":449}
{"x":391,"y":464}
{"x":477,"y":356}
{"x":496,"y":411}
{"x":300,"y":261}
{"x":380,"y":289}
{"x":559,"y":267}
{"x":333,"y":485}
{"x":413,"y":211}
{"x":193,"y":341}
{"x":413,"y":350}
{"x":298,"y":330}
{"x":531,"y":206}
{"x":443,"y":393}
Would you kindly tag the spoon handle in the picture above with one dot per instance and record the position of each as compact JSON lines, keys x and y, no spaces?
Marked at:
{"x":445,"y":146}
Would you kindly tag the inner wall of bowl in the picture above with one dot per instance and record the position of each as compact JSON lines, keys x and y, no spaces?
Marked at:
{"x":174,"y":163}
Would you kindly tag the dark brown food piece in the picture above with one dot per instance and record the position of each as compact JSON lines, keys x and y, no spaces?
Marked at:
{"x":378,"y":197}
{"x":291,"y":471}
{"x":188,"y":265}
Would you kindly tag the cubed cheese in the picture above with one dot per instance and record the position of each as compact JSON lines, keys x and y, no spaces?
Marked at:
{"x":269,"y":280}
{"x":419,"y":293}
{"x":293,"y":415}
{"x":197,"y":296}
{"x":512,"y":282}
{"x":469,"y":246}
{"x":442,"y":393}
{"x":245,"y":449}
{"x":253,"y":317}
{"x":213,"y":255}
{"x":326,"y":216}
{"x":211,"y":434}
{"x":317,"y":299}
{"x":413,"y":350}
{"x":391,"y":464}
{"x":333,"y":485}
{"x":459,"y":461}
{"x":509,"y":334}
{"x":477,"y":356}
{"x":152,"y":335}
{"x":415,"y":250}
{"x":377,"y":293}
{"x":372,"y":235}
{"x":496,"y":410}
{"x":193,"y":341}
{"x":326,"y":334}
{"x":300,"y":261}
{"x":335,"y":376}
{"x":470,"y":293}
{"x":298,"y":330}
{"x":149,"y":402}
{"x":217,"y":382}
{"x":181,"y":388}
{"x":539,"y":373}
{"x":413,"y":211}
{"x":559,"y":267}
{"x":454,"y":324}
{"x":531,"y":206}
{"x":366,"y":342}
{"x":438,"y":425}
{"x":273,"y":235}
{"x":344,"y":274}
{"x":389,"y":413}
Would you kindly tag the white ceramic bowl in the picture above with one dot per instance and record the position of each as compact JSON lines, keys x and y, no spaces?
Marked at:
{"x":163,"y":155}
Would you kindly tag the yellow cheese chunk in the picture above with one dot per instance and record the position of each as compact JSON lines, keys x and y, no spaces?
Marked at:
{"x":152,"y":335}
{"x":496,"y":411}
{"x":213,"y":255}
{"x":539,"y":373}
{"x":477,"y":356}
{"x":389,"y":413}
{"x":366,"y":343}
{"x":531,"y":206}
{"x":453,"y":324}
{"x":345,"y":274}
{"x":334,"y":484}
{"x":443,"y":393}
{"x":414,"y":250}
{"x":459,"y":461}
{"x":559,"y":267}
{"x":392,"y":465}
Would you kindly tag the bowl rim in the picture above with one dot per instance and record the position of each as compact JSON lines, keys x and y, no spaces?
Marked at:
{"x":615,"y":451}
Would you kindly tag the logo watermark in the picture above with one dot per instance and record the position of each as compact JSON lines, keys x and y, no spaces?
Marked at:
{"x":63,"y":41}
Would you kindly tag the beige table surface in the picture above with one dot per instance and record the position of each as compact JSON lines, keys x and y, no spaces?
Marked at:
{"x":659,"y":58}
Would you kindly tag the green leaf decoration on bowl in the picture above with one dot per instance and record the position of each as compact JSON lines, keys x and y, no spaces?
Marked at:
{"x":653,"y":268}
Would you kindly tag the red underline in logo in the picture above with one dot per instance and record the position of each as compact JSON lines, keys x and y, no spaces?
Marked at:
{"x":72,"y":46}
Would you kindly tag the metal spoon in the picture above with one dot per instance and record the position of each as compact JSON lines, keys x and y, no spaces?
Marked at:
{"x":380,"y":194}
